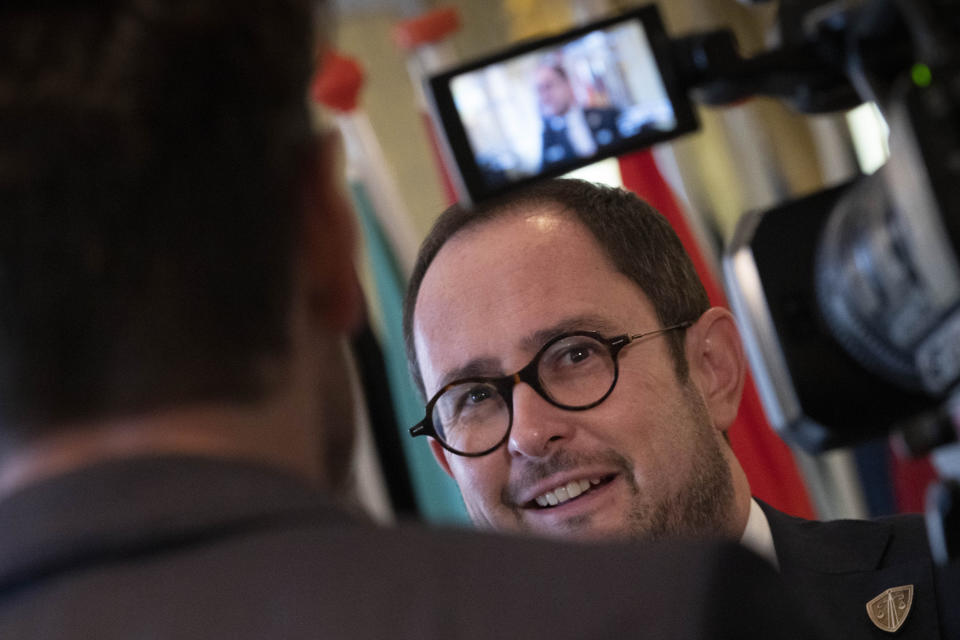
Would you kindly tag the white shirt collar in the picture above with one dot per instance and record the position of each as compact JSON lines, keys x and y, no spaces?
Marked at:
{"x":757,"y":536}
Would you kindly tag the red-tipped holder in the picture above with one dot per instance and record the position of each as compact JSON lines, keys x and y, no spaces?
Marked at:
{"x":429,"y":28}
{"x":337,"y":82}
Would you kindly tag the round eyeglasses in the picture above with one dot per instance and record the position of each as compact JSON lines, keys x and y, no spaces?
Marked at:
{"x":573,"y":371}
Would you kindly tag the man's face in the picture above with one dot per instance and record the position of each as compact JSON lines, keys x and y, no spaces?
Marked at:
{"x":553,"y":91}
{"x":654,"y":464}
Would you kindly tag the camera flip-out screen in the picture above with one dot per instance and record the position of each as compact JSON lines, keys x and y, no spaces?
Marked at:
{"x":546,"y":107}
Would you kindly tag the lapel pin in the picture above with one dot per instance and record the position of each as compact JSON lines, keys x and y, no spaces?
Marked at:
{"x":889,"y":609}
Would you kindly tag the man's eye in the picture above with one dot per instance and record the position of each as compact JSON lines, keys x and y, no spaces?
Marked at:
{"x":578,"y":354}
{"x":477,"y":395}
{"x":470,"y":399}
{"x":574,"y":354}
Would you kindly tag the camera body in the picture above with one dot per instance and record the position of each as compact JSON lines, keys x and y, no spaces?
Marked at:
{"x":850,"y":298}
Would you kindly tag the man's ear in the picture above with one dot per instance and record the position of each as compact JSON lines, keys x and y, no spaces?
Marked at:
{"x":717,"y":364}
{"x":439,"y":454}
{"x":329,"y":239}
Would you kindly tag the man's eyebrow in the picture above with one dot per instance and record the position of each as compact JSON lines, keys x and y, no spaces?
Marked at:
{"x":585,"y":322}
{"x":477,"y":367}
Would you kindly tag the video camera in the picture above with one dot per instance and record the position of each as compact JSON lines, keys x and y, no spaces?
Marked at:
{"x":848,"y":299}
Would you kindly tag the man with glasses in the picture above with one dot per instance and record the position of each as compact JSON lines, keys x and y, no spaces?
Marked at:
{"x":580,"y":385}
{"x":176,"y":277}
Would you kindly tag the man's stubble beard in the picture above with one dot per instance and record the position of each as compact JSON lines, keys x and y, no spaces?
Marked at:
{"x":702,"y":506}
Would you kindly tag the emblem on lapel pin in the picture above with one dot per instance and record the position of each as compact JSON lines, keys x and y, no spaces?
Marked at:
{"x":889,"y":609}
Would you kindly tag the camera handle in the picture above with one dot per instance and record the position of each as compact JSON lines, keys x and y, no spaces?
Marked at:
{"x":710,"y":66}
{"x":832,"y":56}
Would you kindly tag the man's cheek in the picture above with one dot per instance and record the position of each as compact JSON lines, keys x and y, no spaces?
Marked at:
{"x":479,"y":515}
{"x":476,"y":492}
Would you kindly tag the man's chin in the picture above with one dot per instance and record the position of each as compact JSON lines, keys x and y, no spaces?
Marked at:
{"x":585,"y":528}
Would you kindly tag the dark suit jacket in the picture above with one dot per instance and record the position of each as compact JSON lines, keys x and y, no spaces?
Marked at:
{"x":556,"y":146}
{"x":839,"y":566}
{"x":197,"y":548}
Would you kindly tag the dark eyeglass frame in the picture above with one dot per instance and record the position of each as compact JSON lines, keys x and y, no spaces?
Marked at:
{"x":528,"y":374}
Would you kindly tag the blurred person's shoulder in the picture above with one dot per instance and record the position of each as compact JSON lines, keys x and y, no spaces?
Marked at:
{"x":188,"y":547}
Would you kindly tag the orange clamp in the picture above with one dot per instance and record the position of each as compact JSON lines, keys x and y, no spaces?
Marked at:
{"x":431,"y":27}
{"x":337,"y":82}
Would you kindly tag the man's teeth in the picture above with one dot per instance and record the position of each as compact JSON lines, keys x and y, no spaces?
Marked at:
{"x":568,"y":491}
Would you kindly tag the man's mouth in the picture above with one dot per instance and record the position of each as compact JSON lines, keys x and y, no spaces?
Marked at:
{"x":567,"y":492}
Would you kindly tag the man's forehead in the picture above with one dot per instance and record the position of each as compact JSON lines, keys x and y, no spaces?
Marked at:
{"x":513,"y":250}
{"x":508,"y":285}
{"x":533,"y":220}
{"x":520,"y":226}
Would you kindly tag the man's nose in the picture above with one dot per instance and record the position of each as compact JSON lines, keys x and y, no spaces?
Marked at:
{"x":538,"y":426}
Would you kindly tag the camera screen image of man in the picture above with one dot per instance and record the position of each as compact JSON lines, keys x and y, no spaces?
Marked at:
{"x":579,"y":385}
{"x":176,"y":279}
{"x":569,"y":130}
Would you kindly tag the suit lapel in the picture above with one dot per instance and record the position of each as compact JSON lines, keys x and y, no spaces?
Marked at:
{"x":837,"y":567}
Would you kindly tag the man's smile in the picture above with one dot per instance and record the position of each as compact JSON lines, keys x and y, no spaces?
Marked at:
{"x":566,"y":492}
{"x":577,"y":503}
{"x":564,"y":479}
